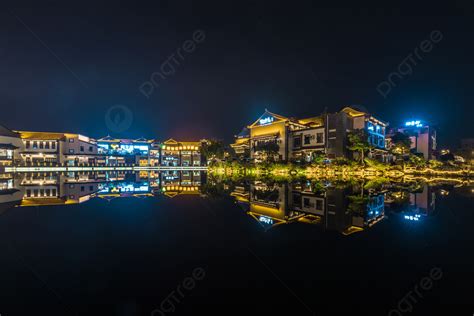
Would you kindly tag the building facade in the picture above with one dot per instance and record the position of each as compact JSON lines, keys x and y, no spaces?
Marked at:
{"x":10,"y":143}
{"x":286,"y":139}
{"x":422,"y":136}
{"x":49,"y":149}
{"x":186,"y":154}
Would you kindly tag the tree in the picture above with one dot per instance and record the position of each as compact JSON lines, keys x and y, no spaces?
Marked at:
{"x":359,"y":141}
{"x":401,"y":143}
{"x":213,"y":149}
{"x":270,"y":149}
{"x":417,"y":161}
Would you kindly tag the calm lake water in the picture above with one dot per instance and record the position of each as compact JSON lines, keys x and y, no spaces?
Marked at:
{"x":186,"y":243}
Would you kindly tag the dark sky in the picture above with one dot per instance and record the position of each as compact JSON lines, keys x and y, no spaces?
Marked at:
{"x":63,"y":65}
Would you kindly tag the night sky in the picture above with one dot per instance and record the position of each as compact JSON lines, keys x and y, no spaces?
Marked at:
{"x":64,"y":65}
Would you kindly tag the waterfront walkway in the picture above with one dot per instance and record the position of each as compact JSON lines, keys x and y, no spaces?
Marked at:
{"x":111,"y":168}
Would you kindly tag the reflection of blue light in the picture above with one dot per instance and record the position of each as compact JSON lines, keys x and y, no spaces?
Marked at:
{"x":266,"y":220}
{"x":371,"y":128}
{"x":416,"y":217}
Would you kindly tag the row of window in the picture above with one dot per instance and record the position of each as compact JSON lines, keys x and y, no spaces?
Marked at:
{"x":81,"y":149}
{"x":307,"y":139}
{"x":40,"y":144}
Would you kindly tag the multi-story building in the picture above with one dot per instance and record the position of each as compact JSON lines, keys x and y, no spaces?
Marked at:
{"x":10,"y":143}
{"x":281,"y":137}
{"x":300,"y":139}
{"x":349,"y":119}
{"x":174,"y":153}
{"x":45,"y":148}
{"x":422,"y":136}
{"x":242,"y":143}
{"x":114,"y":151}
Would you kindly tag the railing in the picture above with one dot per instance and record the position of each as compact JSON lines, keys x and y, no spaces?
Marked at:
{"x":101,"y":168}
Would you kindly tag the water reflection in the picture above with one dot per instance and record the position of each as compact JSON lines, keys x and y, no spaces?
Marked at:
{"x":345,"y":207}
{"x":47,"y":189}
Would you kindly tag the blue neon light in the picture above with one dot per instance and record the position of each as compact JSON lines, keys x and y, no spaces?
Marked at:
{"x":266,"y":120}
{"x":414,"y":123}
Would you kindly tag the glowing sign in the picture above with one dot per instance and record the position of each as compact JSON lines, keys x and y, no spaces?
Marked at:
{"x":414,"y":123}
{"x":267,"y":120}
{"x":266,"y":220}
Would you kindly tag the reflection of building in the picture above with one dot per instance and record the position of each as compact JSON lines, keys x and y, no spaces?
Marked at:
{"x":284,"y":138}
{"x":51,"y":188}
{"x":9,"y":144}
{"x":422,"y":136}
{"x":421,"y":203}
{"x":46,"y":148}
{"x":36,"y":189}
{"x":334,"y":209}
{"x":414,"y":205}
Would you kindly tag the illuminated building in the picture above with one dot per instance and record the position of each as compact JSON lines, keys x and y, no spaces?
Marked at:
{"x":339,"y":124}
{"x":9,"y":144}
{"x":242,"y":143}
{"x":155,"y":154}
{"x":45,"y":148}
{"x":114,"y":151}
{"x":281,"y":138}
{"x":174,"y":153}
{"x":422,"y":136}
{"x":308,"y":141}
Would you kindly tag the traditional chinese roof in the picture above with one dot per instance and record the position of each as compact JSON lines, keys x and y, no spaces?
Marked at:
{"x":269,"y":114}
{"x":244,"y":133}
{"x":43,"y":135}
{"x":312,"y":121}
{"x":7,"y":132}
{"x":173,"y":142}
{"x":8,"y":146}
